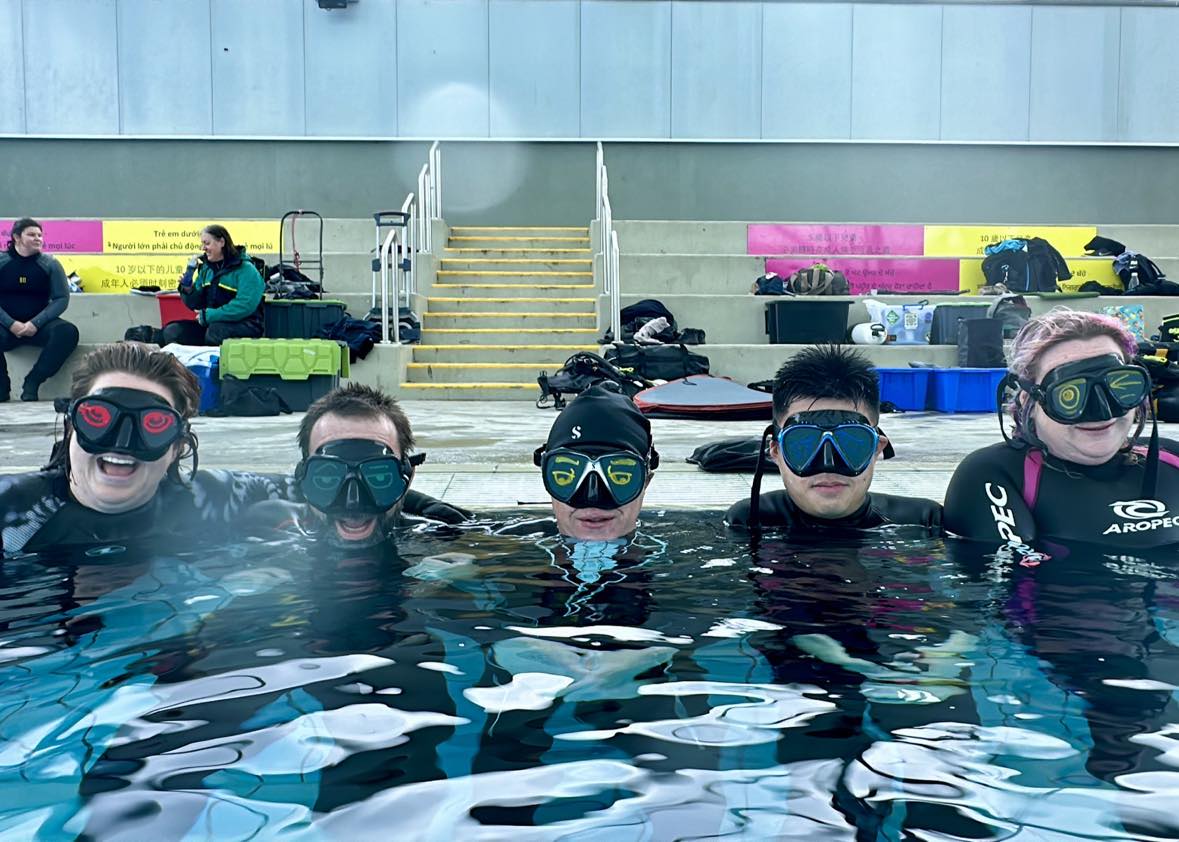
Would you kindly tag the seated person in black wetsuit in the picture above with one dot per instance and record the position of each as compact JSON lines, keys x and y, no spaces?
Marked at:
{"x":34,"y":292}
{"x":1071,"y":470}
{"x":825,"y":443}
{"x":596,"y":465}
{"x":115,"y":477}
{"x":355,"y":472}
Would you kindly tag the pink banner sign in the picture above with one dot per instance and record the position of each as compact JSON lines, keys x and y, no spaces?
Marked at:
{"x":64,"y":236}
{"x":897,"y":274}
{"x":820,"y":240}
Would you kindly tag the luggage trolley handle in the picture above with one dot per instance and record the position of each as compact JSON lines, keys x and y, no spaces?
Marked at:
{"x":384,"y":221}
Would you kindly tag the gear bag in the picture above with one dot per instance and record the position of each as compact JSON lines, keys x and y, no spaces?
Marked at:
{"x":727,"y":456}
{"x":818,"y":279}
{"x":658,"y":362}
{"x":980,"y":344}
{"x":579,"y":372}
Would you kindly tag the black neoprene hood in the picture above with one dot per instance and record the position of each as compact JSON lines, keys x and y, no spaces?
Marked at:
{"x":600,"y":418}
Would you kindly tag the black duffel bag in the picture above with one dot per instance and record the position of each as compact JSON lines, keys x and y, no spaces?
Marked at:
{"x":657,"y":362}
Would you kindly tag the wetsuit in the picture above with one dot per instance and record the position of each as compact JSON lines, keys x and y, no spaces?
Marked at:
{"x":34,"y":289}
{"x":778,"y":511}
{"x":999,"y":494}
{"x":37,"y":511}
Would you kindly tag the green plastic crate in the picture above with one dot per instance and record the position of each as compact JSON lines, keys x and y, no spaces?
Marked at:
{"x":288,"y":359}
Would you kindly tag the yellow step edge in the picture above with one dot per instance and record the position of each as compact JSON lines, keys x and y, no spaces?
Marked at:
{"x":522,"y":239}
{"x":417,"y":348}
{"x":501,"y":273}
{"x":557,"y":363}
{"x":516,"y":260}
{"x":519,"y":228}
{"x":433,"y":330}
{"x":490,"y":315}
{"x":527,"y":250}
{"x":514,"y":286}
{"x":529,"y":386}
{"x":509,"y":300}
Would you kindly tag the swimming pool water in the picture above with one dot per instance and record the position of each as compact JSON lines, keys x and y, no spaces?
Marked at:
{"x":500,"y":684}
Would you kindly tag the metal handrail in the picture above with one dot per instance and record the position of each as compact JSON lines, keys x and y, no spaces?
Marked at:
{"x":608,"y":239}
{"x":387,"y":250}
{"x":410,"y":207}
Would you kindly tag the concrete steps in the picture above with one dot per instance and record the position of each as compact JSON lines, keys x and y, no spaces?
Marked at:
{"x":534,"y":355}
{"x":510,"y":290}
{"x":456,"y":304}
{"x":470,"y":391}
{"x":480,"y":372}
{"x":506,"y":303}
{"x":552,"y":321}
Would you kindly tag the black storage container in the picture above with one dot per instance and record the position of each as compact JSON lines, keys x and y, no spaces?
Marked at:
{"x":947,"y":317}
{"x":298,"y":318}
{"x":299,"y":394}
{"x":795,"y":321}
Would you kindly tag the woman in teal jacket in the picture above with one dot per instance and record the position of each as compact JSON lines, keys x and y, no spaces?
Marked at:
{"x":224,"y":289}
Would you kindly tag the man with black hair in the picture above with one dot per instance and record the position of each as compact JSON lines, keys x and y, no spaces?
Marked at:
{"x":826,"y":442}
{"x":596,"y":465}
{"x":34,"y":292}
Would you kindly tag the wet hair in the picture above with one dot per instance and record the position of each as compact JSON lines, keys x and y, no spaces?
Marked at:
{"x":1041,"y":334}
{"x":220,"y":232}
{"x":832,"y":372}
{"x":19,"y":227}
{"x":356,"y":401}
{"x":142,"y":361}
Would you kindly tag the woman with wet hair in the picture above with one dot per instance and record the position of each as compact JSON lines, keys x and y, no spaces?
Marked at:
{"x":1072,"y":468}
{"x":116,"y":475}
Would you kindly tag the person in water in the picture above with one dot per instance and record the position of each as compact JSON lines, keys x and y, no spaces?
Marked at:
{"x":115,"y":476}
{"x":352,"y":483}
{"x":596,"y":465}
{"x":1070,"y":469}
{"x":825,"y":442}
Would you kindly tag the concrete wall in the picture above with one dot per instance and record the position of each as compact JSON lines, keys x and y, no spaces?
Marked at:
{"x":590,"y":68}
{"x":500,"y":183}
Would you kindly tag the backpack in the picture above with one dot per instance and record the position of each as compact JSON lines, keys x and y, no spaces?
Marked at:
{"x":1169,"y":329}
{"x":817,"y":279}
{"x":1025,"y":265}
{"x":657,"y":362}
{"x":770,"y":283}
{"x":727,"y":456}
{"x":635,"y":316}
{"x":360,"y":335}
{"x":238,"y":397}
{"x":579,"y":372}
{"x":1012,"y":311}
{"x":1142,"y":276}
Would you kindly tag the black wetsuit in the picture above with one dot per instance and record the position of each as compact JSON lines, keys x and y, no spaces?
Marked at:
{"x":37,"y":511}
{"x":779,"y":511}
{"x":1103,"y":504}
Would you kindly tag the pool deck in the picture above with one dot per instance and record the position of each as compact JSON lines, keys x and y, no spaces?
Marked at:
{"x":480,"y":453}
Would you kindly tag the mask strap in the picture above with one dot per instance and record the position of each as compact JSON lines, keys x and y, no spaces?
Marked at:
{"x":755,"y":495}
{"x":1010,"y":379}
{"x":1150,"y":478}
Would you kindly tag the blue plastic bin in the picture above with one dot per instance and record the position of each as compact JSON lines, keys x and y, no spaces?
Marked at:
{"x":964,"y":389}
{"x":208,"y":375}
{"x":906,"y":388}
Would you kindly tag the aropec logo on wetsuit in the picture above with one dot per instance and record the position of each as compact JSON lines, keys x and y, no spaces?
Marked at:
{"x":1001,"y":512}
{"x":1140,"y":516}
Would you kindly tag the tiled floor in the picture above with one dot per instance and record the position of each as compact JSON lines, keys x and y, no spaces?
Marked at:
{"x":480,"y":454}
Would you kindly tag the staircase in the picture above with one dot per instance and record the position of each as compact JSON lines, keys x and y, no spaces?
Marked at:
{"x":507,"y":304}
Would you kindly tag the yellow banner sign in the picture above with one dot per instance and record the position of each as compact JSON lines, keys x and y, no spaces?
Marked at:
{"x":176,"y":236}
{"x":123,"y":272}
{"x":965,"y":240}
{"x":1099,"y":269}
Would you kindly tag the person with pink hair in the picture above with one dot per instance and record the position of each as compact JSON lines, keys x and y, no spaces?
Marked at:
{"x":1071,"y":469}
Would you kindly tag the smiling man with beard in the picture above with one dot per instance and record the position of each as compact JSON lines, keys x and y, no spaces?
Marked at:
{"x":352,"y":483}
